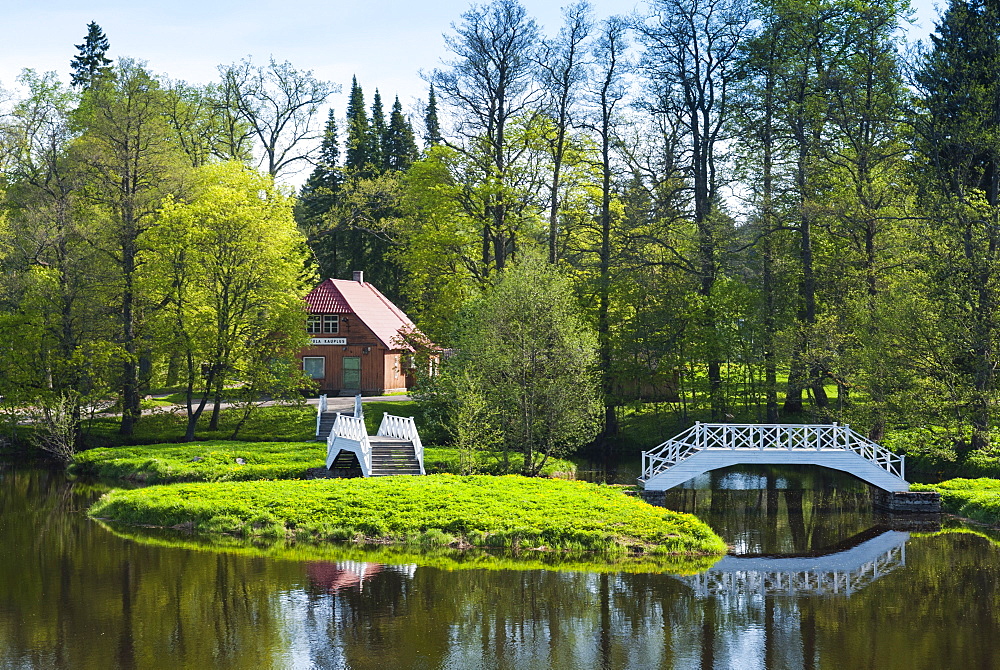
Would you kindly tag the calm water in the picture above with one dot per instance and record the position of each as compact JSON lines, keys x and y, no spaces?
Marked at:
{"x":820,"y":581}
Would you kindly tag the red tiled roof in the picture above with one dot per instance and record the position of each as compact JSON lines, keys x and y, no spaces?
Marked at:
{"x":344,"y":296}
{"x":326,"y":299}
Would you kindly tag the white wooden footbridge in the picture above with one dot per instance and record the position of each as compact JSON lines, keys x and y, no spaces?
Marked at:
{"x":710,"y":446}
{"x":394,"y":450}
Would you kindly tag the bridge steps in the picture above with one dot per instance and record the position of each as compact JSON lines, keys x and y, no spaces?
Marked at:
{"x":325,"y":425}
{"x":350,"y":451}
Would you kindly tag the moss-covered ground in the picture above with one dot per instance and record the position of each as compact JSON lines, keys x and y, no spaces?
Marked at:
{"x":437,"y":510}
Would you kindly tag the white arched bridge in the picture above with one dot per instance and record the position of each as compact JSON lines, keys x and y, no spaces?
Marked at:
{"x":710,"y":446}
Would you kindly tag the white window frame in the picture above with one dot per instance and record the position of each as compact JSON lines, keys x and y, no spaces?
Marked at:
{"x":314,"y":324}
{"x":331,"y":320}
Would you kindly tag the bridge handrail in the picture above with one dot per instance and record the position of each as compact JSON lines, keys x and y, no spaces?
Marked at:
{"x":320,"y":408}
{"x":403,"y":428}
{"x":352,"y":428}
{"x":760,"y":436}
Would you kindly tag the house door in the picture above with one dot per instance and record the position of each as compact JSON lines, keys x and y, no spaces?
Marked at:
{"x":352,"y":372}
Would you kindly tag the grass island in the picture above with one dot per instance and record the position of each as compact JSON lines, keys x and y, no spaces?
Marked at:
{"x":437,"y":510}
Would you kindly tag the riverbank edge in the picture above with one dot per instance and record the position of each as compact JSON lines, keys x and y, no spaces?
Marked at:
{"x":483,"y":511}
{"x":974,"y":499}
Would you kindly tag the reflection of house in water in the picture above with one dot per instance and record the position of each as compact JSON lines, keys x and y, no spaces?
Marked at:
{"x":841,"y":573}
{"x":335,"y":577}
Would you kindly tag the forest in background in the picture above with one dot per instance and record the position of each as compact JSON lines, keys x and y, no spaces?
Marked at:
{"x":766,"y":211}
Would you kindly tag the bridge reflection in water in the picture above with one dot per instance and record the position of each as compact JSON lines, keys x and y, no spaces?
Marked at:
{"x":835,"y":574}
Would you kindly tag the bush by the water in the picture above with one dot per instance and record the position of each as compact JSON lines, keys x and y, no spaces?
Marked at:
{"x":977,"y":499}
{"x":512,"y":511}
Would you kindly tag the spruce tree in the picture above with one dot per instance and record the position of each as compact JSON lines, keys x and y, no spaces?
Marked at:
{"x":400,"y":149}
{"x":431,"y":124}
{"x":358,"y":132}
{"x":959,"y":140}
{"x":90,"y":64}
{"x":323,"y":185}
{"x":378,"y":133}
{"x":319,"y":195}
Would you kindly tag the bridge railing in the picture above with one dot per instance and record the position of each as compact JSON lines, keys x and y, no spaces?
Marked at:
{"x":404,"y":428}
{"x":352,"y":428}
{"x":320,"y":408}
{"x":753,"y":436}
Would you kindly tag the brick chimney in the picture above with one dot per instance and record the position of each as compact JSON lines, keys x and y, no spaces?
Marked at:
{"x":359,"y":276}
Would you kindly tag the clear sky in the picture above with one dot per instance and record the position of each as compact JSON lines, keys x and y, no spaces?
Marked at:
{"x":385,"y":43}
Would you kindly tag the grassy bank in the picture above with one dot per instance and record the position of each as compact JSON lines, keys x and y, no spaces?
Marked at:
{"x":977,"y":499}
{"x":219,"y":461}
{"x":438,"y":510}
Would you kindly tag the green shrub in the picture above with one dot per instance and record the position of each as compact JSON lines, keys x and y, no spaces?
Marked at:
{"x":932,"y":451}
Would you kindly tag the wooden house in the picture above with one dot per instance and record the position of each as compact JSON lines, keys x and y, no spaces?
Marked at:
{"x":355,"y":339}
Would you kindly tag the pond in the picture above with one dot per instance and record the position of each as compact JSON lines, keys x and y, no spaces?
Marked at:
{"x":817,"y":579}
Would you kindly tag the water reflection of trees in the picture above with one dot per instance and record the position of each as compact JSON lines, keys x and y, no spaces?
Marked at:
{"x":75,"y":596}
{"x":779,"y":510}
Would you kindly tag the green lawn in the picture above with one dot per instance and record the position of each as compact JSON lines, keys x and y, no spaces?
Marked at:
{"x":512,"y":511}
{"x":208,"y":461}
{"x":216,"y":461}
{"x":291,"y":423}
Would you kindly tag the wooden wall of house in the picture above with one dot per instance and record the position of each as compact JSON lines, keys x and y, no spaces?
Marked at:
{"x":381,"y":369}
{"x":395,"y":374}
{"x":372,"y":373}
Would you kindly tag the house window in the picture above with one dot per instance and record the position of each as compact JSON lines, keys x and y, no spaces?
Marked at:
{"x":331,"y":323}
{"x":313,"y":324}
{"x":314,"y":366}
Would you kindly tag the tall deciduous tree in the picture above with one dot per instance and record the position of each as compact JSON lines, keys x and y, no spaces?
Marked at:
{"x":56,"y":341}
{"x":130,"y":160}
{"x":605,"y":100}
{"x":281,"y":106}
{"x":490,"y":83}
{"x":228,"y":265}
{"x":690,"y":61}
{"x":562,"y":65}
